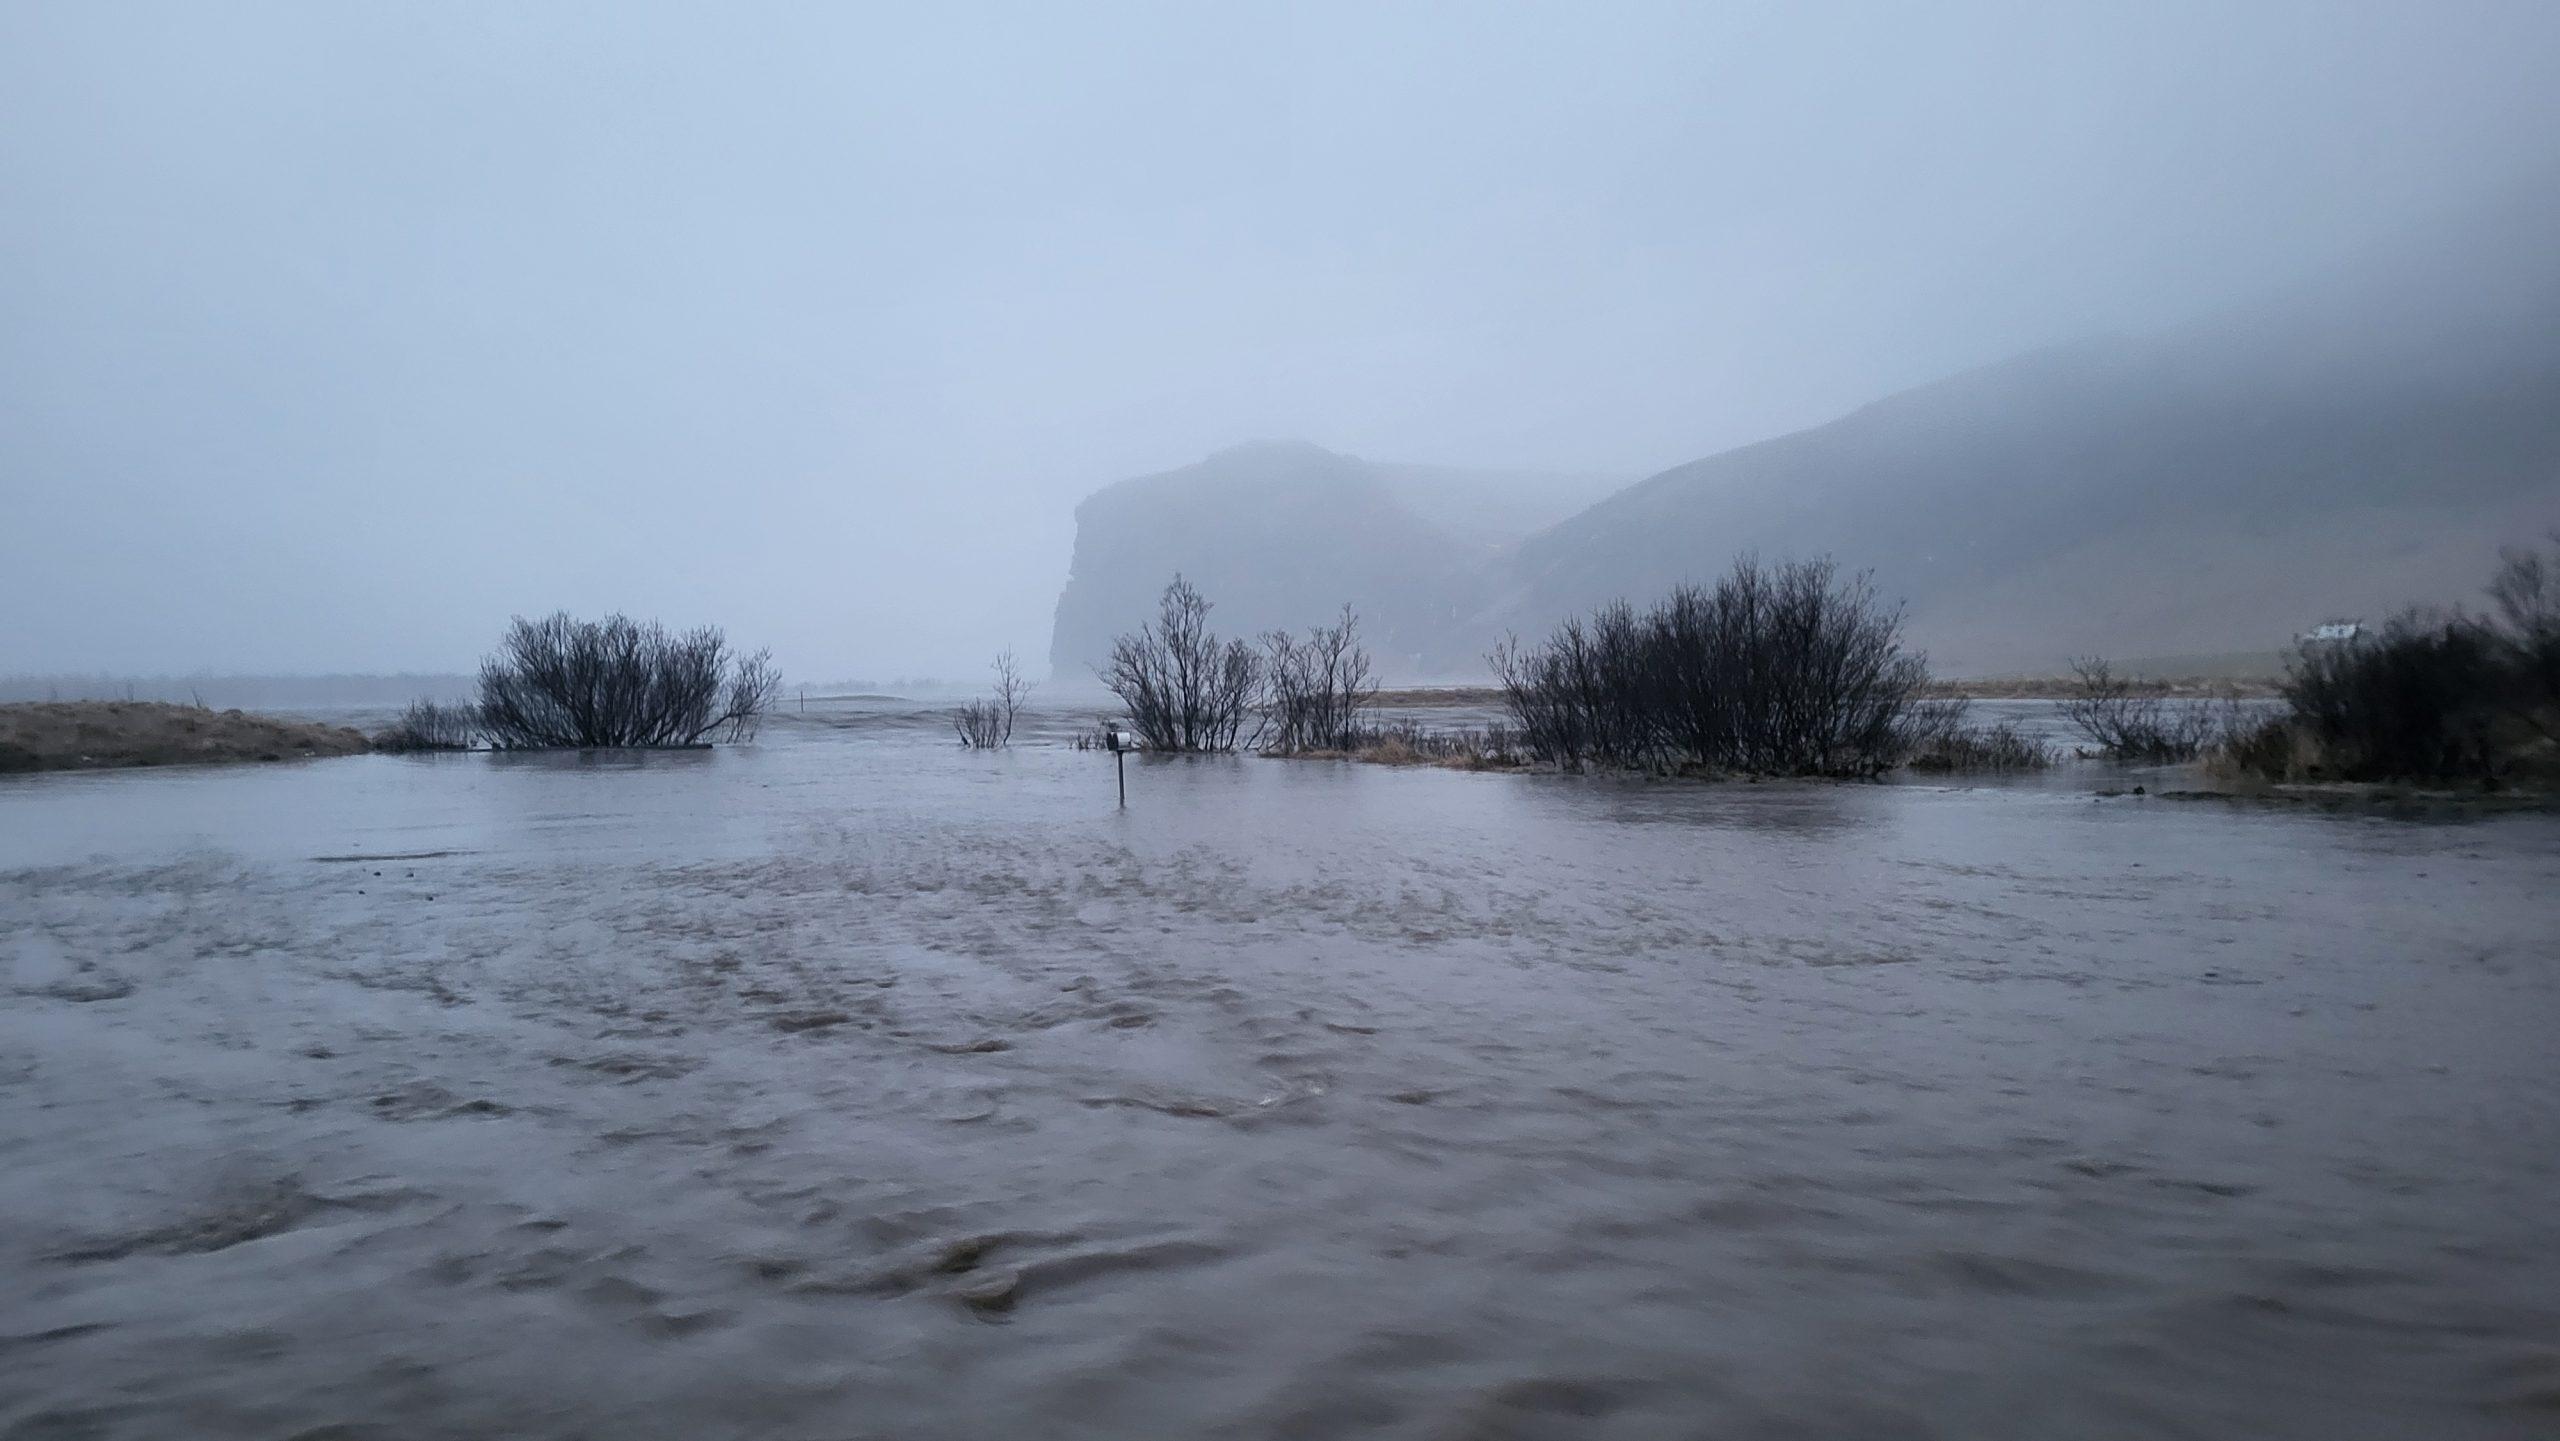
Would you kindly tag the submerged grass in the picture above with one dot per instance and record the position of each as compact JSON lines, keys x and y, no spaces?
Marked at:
{"x":1408,"y":743}
{"x":428,"y":725}
{"x":1981,"y":749}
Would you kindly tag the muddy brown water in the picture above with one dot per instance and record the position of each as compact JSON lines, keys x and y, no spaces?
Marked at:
{"x":849,"y":1085}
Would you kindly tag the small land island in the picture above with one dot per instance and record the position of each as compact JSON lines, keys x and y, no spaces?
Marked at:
{"x":97,"y":735}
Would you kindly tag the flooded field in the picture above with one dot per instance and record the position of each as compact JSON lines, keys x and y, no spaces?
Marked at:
{"x":852,"y":1085}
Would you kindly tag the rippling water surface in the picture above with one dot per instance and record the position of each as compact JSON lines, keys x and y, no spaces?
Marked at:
{"x":851,"y":1085}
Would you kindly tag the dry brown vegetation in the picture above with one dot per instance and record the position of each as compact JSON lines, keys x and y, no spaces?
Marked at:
{"x":92,"y":735}
{"x":1958,"y":748}
{"x":1406,"y":743}
{"x":1406,"y":697}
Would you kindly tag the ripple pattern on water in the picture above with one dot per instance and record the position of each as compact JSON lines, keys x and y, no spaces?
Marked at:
{"x":853,"y":1085}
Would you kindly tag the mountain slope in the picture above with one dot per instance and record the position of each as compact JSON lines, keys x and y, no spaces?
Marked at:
{"x":2342,"y":450}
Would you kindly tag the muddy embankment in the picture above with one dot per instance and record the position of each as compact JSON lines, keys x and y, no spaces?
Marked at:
{"x":96,"y":735}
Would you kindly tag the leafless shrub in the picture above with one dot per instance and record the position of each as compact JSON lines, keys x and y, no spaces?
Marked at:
{"x":2125,"y":721}
{"x":1931,"y":719}
{"x":1319,"y":687}
{"x":618,"y":682}
{"x":429,"y":726}
{"x":1789,"y":669}
{"x":2526,"y":625}
{"x":1182,"y":688}
{"x":988,"y":724}
{"x":981,"y":725}
{"x":1935,"y":737}
{"x":1539,"y":688}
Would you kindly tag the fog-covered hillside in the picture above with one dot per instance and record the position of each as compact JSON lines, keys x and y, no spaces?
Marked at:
{"x":2362,"y":442}
{"x":2336,"y":451}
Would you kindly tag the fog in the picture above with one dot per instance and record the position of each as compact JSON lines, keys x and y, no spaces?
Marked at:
{"x":332,"y":336}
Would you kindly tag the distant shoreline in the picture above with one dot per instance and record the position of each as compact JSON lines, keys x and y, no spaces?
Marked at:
{"x":2062,"y":687}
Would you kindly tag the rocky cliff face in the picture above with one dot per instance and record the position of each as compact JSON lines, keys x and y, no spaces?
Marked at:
{"x":1284,"y":534}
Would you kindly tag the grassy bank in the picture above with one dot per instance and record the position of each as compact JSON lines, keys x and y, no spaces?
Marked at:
{"x":98,"y":735}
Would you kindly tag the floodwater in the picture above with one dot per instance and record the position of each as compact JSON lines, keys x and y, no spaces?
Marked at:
{"x":853,"y":1085}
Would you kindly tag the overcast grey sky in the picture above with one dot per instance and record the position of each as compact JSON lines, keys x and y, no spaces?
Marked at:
{"x":331,"y":335}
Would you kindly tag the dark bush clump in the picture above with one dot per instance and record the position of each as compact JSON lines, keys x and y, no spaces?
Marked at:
{"x":2418,"y":701}
{"x":429,"y":726}
{"x":1181,"y":687}
{"x":618,"y":682}
{"x":1788,"y":669}
{"x":2526,"y":627}
{"x":2460,"y":698}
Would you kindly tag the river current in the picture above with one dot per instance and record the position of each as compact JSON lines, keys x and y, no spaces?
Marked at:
{"x":849,"y":1084}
